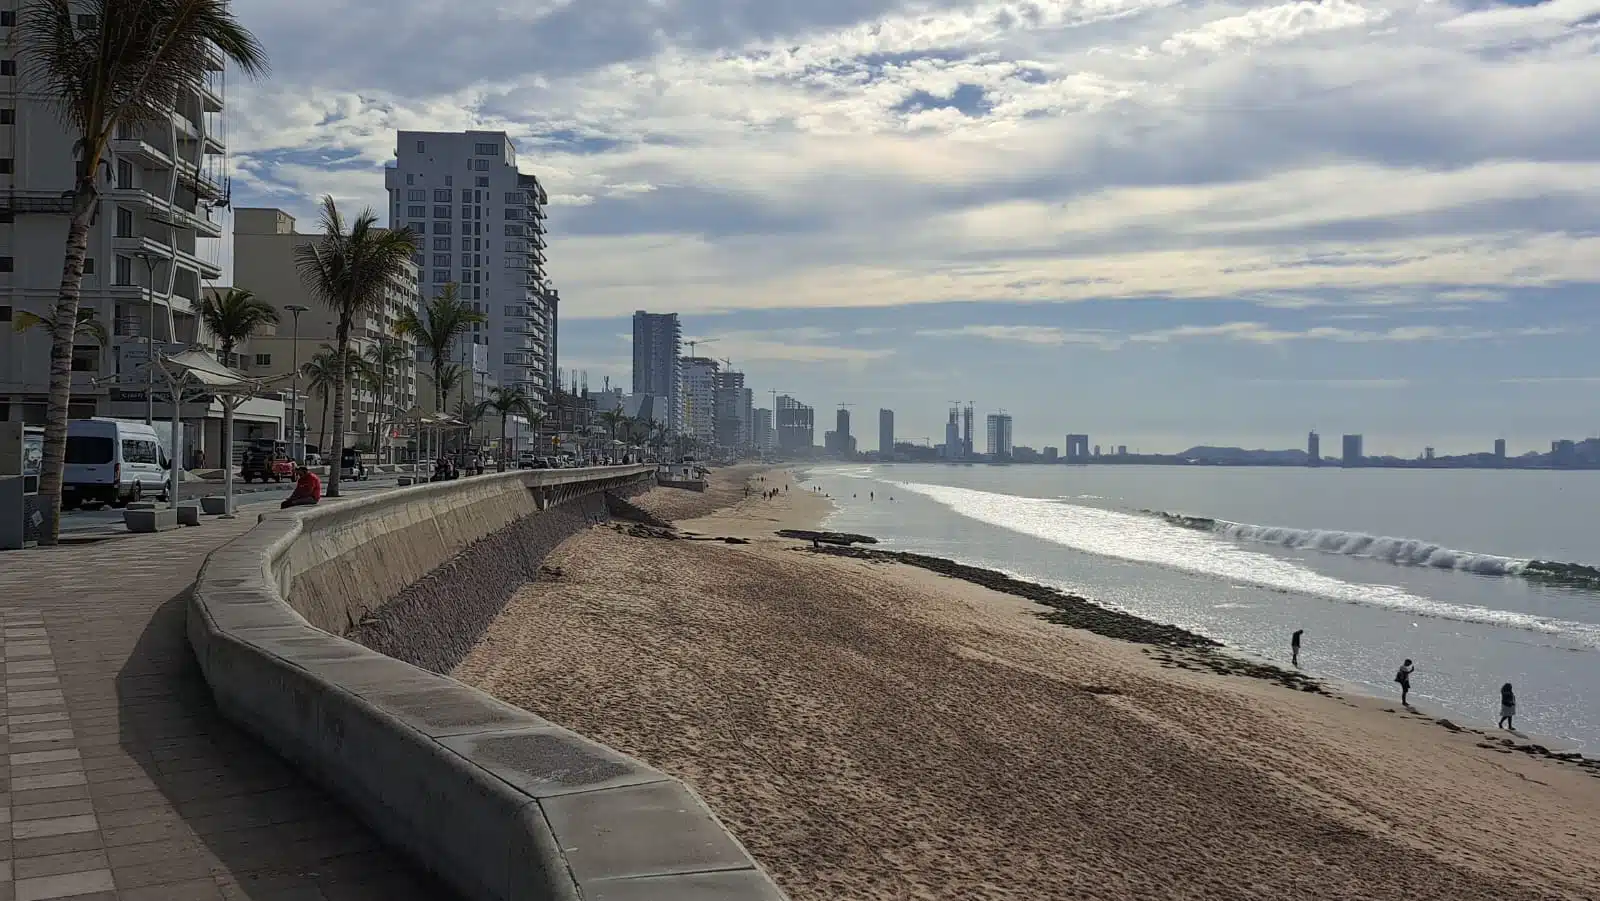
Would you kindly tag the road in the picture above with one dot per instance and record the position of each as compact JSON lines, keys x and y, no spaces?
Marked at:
{"x":254,"y":496}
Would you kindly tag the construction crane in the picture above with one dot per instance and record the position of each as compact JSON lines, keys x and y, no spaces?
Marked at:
{"x":843,"y":405}
{"x":693,"y":342}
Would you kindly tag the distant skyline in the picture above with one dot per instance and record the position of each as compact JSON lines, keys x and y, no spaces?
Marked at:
{"x":1161,"y":224}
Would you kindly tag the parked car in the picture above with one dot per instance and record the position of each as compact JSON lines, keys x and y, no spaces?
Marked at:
{"x":527,"y":460}
{"x":112,"y":461}
{"x":351,"y":465}
{"x":266,"y":465}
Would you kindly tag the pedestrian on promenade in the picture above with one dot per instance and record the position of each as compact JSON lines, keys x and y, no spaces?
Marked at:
{"x":1403,"y":676}
{"x":1294,"y":646}
{"x":307,"y":489}
{"x":1508,"y":707}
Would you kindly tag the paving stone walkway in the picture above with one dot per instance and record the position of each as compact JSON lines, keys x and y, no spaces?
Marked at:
{"x":120,"y":779}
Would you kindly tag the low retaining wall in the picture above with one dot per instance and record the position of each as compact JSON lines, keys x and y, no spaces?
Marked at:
{"x":500,"y":803}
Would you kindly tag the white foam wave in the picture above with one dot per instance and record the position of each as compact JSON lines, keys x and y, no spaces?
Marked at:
{"x":1143,"y":539}
{"x":1407,"y":551}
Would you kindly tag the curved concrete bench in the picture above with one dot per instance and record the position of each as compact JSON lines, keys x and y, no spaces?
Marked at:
{"x":500,"y":803}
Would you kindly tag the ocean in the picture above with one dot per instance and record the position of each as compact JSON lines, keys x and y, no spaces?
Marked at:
{"x":1376,"y":565}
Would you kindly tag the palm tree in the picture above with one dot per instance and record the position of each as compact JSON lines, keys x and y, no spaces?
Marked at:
{"x":110,"y":65}
{"x":88,"y":325}
{"x":613,"y":419}
{"x":507,"y":402}
{"x":235,"y":317}
{"x":232,"y":318}
{"x":382,"y":360}
{"x":349,"y":270}
{"x":322,"y":375}
{"x":447,"y":319}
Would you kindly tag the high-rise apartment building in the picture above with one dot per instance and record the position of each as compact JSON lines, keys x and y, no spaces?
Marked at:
{"x":1352,"y":451}
{"x":480,"y":224}
{"x":966,"y":431}
{"x":1500,"y":448}
{"x":1313,"y":449}
{"x":153,"y":245}
{"x":699,"y":398}
{"x":729,"y":395}
{"x":952,"y":436}
{"x":999,"y":436}
{"x":885,"y":433}
{"x":796,"y":425}
{"x":765,"y":437}
{"x":657,"y":344}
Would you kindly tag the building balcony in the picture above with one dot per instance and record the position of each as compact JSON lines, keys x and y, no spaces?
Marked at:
{"x":142,"y":152}
{"x":210,"y":95}
{"x":141,"y":246}
{"x":14,"y":201}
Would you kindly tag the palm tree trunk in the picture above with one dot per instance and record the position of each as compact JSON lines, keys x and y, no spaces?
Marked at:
{"x":228,"y":404}
{"x":59,"y":404}
{"x":438,"y":384}
{"x":322,"y":430}
{"x":502,"y":442}
{"x":341,"y":403}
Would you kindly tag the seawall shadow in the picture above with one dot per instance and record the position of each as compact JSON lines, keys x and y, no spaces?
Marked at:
{"x":232,"y":806}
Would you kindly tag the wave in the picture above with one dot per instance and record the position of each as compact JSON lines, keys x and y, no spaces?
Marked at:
{"x":1402,"y":551}
{"x":1143,"y":539}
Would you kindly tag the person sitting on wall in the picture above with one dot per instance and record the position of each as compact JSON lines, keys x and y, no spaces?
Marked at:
{"x":307,"y":489}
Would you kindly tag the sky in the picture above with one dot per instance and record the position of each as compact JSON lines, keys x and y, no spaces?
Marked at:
{"x":1161,"y":223}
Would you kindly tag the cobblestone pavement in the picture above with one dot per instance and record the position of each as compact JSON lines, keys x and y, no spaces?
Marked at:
{"x":120,"y":779}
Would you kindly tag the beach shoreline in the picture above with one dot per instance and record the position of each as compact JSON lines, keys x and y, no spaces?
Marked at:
{"x":847,"y":712}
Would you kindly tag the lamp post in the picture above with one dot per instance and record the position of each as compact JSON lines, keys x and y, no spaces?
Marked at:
{"x":296,"y":444}
{"x":149,"y":338}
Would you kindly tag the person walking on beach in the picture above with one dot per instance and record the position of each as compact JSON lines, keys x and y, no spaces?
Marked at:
{"x":1508,"y":707}
{"x":1294,"y":646}
{"x":1403,"y":676}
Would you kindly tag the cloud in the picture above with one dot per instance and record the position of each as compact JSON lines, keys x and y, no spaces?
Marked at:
{"x":796,"y":345}
{"x":1374,"y":384}
{"x":716,"y":155}
{"x":1242,"y":332}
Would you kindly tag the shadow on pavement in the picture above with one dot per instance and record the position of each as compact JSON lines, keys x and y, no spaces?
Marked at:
{"x":224,"y":805}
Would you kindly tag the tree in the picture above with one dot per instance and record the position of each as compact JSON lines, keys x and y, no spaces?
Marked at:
{"x":322,"y":373}
{"x":507,"y":402}
{"x":349,"y":270}
{"x":446,"y":319}
{"x":613,"y":419}
{"x":232,"y":318}
{"x":88,"y":325}
{"x":109,"y":65}
{"x":382,"y":362}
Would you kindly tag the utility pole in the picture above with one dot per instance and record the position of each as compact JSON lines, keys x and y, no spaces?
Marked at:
{"x":149,"y":338}
{"x":296,"y":443}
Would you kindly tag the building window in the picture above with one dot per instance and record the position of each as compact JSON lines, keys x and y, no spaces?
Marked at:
{"x":5,"y":314}
{"x":513,"y":229}
{"x":124,"y":174}
{"x":441,"y":212}
{"x":466,"y":259}
{"x":481,"y":165}
{"x":85,"y":359}
{"x":124,"y":222}
{"x":415,"y":211}
{"x":440,"y":276}
{"x":441,"y":259}
{"x":449,"y":180}
{"x":8,"y":18}
{"x":441,"y":195}
{"x":466,"y":212}
{"x":422,"y":147}
{"x":86,"y":21}
{"x":513,"y":213}
{"x":8,"y":116}
{"x":8,"y":67}
{"x":263,"y":359}
{"x":441,"y":243}
{"x":7,"y":165}
{"x":124,"y":270}
{"x":417,"y":195}
{"x":483,"y":181}
{"x":486,"y":149}
{"x":515,"y":197}
{"x":8,"y":264}
{"x":466,"y":195}
{"x":411,"y":179}
{"x":419,"y":228}
{"x":88,"y":265}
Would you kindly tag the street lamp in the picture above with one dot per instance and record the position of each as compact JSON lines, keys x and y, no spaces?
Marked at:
{"x":296,"y":444}
{"x":149,"y":338}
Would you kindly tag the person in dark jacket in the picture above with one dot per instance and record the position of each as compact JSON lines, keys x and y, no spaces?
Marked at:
{"x":1508,"y":706}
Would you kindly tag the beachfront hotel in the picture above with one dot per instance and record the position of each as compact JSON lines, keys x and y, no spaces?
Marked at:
{"x":480,"y":223}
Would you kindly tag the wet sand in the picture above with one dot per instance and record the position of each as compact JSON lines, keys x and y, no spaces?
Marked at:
{"x":877,"y":731}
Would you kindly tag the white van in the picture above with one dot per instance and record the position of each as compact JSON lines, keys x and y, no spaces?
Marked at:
{"x":112,"y":461}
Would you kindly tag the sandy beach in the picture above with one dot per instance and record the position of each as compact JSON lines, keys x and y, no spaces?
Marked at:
{"x":877,"y":731}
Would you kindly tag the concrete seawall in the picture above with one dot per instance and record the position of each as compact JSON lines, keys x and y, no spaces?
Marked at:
{"x":497,"y":801}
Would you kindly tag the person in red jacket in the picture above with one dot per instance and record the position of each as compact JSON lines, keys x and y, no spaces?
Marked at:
{"x":307,"y":489}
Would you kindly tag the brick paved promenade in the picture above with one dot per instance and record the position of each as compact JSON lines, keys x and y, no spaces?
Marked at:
{"x":120,"y":780}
